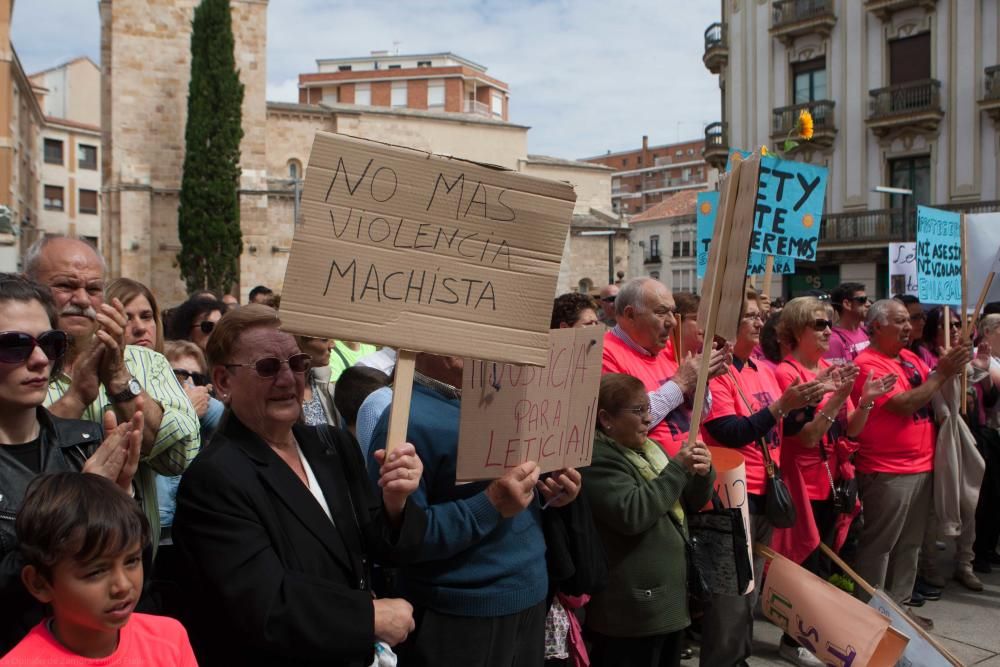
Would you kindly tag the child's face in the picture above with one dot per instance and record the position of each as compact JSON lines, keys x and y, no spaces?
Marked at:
{"x":93,"y":597}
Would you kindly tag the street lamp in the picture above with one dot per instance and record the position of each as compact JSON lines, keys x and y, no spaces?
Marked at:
{"x":610,"y":233}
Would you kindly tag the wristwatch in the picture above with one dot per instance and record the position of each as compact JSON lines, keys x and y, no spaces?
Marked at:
{"x":132,"y":390}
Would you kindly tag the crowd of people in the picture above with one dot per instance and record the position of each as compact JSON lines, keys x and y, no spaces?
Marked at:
{"x":194,"y":485}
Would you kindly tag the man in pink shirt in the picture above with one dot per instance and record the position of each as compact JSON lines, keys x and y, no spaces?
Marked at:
{"x":849,"y":337}
{"x":637,"y":346}
{"x":895,"y":456}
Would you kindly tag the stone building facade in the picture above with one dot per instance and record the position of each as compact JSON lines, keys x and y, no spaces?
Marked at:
{"x":146,"y":62}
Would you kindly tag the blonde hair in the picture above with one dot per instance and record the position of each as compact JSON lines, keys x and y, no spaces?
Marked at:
{"x":178,"y":349}
{"x":989,"y":324}
{"x":797,"y":315}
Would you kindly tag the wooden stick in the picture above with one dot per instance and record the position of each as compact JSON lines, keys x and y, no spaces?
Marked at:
{"x":717,"y":259}
{"x":768,"y":275}
{"x":965,"y":330}
{"x":982,"y":295}
{"x":871,"y":591}
{"x":947,"y":327}
{"x":402,"y":392}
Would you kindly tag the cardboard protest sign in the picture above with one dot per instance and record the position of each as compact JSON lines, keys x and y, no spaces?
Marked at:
{"x":918,"y":650}
{"x":903,"y":268}
{"x":708,"y":204}
{"x":789,"y":207}
{"x":512,"y":414}
{"x":836,"y":627}
{"x":731,"y":485}
{"x":983,"y":249}
{"x":939,"y":256}
{"x":421,"y":252}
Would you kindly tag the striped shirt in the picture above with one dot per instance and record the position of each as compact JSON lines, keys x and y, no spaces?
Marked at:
{"x":178,"y":439}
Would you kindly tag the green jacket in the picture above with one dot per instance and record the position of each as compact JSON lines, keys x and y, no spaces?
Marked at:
{"x":647,"y":572}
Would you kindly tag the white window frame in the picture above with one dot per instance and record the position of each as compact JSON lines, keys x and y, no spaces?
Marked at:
{"x":433,"y":87}
{"x":398,"y":95}
{"x":363,"y":91}
{"x":496,"y":103}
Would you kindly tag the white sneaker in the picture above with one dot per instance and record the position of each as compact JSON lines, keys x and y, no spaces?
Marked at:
{"x":798,"y":655}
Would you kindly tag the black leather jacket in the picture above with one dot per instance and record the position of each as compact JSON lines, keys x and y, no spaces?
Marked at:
{"x":65,"y":446}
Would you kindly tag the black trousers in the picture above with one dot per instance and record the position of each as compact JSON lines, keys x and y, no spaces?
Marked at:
{"x":515,"y":640}
{"x":988,"y":513}
{"x":655,"y":651}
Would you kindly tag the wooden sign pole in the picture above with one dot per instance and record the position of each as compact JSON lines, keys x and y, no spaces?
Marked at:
{"x":768,"y":275}
{"x":402,"y":392}
{"x":871,"y":591}
{"x":947,"y":327}
{"x":965,"y":329}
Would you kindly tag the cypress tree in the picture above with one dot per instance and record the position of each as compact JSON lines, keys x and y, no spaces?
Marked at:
{"x":208,"y":220}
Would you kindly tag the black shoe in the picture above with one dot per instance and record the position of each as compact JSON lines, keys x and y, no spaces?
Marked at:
{"x":982,"y":567}
{"x":926,"y":591}
{"x":916,"y":599}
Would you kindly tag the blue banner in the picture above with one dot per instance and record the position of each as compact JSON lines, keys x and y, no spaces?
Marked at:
{"x":939,"y":256}
{"x":790,"y":201}
{"x":708,"y":202}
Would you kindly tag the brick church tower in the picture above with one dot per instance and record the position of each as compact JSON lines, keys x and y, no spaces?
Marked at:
{"x":145,"y":61}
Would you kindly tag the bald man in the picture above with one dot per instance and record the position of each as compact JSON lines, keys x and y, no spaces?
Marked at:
{"x":101,"y":371}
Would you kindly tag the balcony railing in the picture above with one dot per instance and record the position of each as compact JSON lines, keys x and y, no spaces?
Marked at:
{"x":784,"y":120}
{"x":652,"y":259}
{"x":792,"y":18}
{"x":478,"y":108}
{"x":879,"y":226}
{"x":716,"y":47}
{"x":716,"y":145}
{"x":884,"y":9}
{"x":916,"y":103}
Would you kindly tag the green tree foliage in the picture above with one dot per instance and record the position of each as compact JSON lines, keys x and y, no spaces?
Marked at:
{"x":209,"y":214}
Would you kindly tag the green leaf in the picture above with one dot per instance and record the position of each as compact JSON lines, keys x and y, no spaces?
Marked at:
{"x":790,"y":144}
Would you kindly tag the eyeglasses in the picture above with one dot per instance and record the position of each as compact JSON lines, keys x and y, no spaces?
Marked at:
{"x":822,"y":325}
{"x":268,"y":367}
{"x":198,"y":379}
{"x":860,"y":300}
{"x":608,"y":299}
{"x":749,"y":317}
{"x":16,"y":347}
{"x":206,"y":327}
{"x":637,"y":410}
{"x":954,"y":324}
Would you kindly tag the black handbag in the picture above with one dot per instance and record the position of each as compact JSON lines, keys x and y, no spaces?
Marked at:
{"x":717,"y":550}
{"x":843,"y":494}
{"x":574,"y":553}
{"x":698,"y":588}
{"x":779,"y":508}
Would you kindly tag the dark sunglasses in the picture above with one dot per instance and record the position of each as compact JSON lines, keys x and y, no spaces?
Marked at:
{"x":206,"y":327}
{"x":608,"y":299}
{"x":861,"y":300}
{"x":822,"y":325}
{"x":16,"y":347}
{"x":199,"y":379}
{"x":268,"y":367}
{"x":955,"y":324}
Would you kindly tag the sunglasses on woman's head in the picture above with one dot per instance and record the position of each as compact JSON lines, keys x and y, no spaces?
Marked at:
{"x":206,"y":327}
{"x":822,"y":325}
{"x":268,"y":367}
{"x":16,"y":346}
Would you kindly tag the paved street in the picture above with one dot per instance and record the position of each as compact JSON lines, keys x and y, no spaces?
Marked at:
{"x":967,"y":623}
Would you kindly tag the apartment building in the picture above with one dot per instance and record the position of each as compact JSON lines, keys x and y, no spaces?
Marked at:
{"x":69,"y":96}
{"x":904,"y":93}
{"x":429,"y":81}
{"x":645,"y":176}
{"x":662,"y":242}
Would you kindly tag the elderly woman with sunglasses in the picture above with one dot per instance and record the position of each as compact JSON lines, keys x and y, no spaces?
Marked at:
{"x":33,"y":441}
{"x":277,"y":525}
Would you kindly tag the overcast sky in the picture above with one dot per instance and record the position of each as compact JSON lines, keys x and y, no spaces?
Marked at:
{"x":587,"y":75}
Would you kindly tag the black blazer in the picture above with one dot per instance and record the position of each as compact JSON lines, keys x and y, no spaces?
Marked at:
{"x":267,"y":579}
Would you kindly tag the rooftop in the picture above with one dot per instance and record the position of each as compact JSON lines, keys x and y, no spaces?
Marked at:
{"x":562,"y":162}
{"x":386,"y":56}
{"x":452,"y":117}
{"x":679,"y":204}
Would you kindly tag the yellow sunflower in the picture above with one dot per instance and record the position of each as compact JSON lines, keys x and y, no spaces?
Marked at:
{"x":763,"y":151}
{"x":806,"y":125}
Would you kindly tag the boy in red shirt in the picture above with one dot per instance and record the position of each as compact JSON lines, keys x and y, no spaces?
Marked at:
{"x":82,"y":538}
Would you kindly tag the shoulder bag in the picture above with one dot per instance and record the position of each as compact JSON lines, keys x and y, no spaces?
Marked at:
{"x":778,"y":505}
{"x":717,"y":550}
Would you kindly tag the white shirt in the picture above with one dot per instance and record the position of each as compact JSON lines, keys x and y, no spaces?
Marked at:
{"x":314,"y":488}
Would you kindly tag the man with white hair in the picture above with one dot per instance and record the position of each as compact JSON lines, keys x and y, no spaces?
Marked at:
{"x":101,"y":371}
{"x":895,"y":456}
{"x":637,"y":346}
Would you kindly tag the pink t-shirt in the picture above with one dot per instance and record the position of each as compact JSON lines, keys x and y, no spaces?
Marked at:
{"x":150,"y":641}
{"x":653,"y":372}
{"x":846,"y":345}
{"x":808,"y":459}
{"x":761,"y":389}
{"x":889,"y":442}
